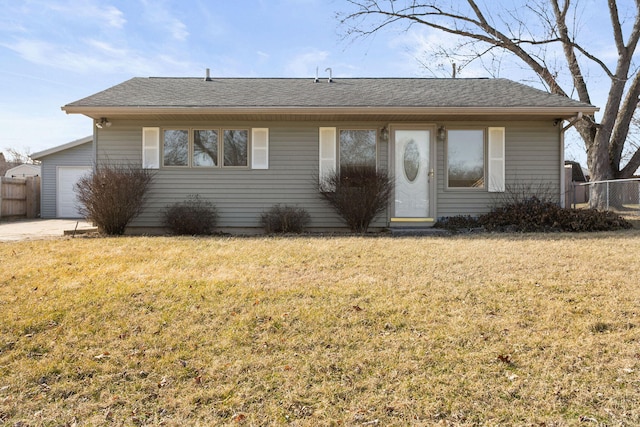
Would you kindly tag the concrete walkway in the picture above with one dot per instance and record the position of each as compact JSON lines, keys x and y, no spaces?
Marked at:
{"x":33,"y":229}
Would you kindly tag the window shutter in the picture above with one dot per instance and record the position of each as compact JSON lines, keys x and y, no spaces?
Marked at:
{"x":327,"y":153}
{"x":151,"y":148}
{"x":260,"y":148}
{"x":496,"y":160}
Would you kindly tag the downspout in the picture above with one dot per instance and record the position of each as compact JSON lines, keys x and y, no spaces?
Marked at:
{"x":94,"y":147}
{"x":563,"y":183}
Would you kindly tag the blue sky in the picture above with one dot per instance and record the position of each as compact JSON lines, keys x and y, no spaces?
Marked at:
{"x":57,"y":51}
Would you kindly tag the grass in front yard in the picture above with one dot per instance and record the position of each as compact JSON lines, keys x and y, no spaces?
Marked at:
{"x":467,"y":330}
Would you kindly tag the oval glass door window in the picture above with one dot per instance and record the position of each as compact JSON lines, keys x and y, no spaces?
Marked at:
{"x":411,"y":161}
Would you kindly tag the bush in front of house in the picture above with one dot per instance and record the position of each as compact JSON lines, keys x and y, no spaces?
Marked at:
{"x":458,"y":223}
{"x":358,"y":194}
{"x":284,"y":219}
{"x":113,"y":195}
{"x":535,"y":215}
{"x":193,"y":216}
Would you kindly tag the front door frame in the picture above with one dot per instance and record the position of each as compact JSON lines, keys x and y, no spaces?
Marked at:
{"x":429,"y":220}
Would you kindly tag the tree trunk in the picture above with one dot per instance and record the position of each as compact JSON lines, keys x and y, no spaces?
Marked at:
{"x":600,"y":168}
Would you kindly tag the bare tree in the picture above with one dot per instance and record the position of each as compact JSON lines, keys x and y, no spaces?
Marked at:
{"x":19,"y":157}
{"x":533,"y":32}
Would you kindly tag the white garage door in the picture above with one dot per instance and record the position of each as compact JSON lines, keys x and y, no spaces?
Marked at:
{"x":67,"y":202}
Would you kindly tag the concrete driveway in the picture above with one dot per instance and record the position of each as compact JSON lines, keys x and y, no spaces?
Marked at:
{"x":33,"y":229}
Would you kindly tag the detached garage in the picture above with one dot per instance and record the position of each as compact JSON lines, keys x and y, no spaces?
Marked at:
{"x":62,"y":167}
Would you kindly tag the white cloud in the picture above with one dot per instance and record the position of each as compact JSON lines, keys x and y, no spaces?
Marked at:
{"x":105,"y":48}
{"x":178,"y":30}
{"x":304,"y":65}
{"x":95,"y":56}
{"x":91,"y":10}
{"x":158,"y":14}
{"x":421,"y":47}
{"x":113,"y":16}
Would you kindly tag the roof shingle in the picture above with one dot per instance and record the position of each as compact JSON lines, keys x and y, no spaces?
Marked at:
{"x":267,"y":93}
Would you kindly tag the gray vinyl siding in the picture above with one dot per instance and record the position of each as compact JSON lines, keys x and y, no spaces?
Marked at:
{"x":240,"y":195}
{"x":82,"y":155}
{"x":532,"y":160}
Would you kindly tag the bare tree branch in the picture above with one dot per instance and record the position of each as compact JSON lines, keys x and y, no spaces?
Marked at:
{"x":530,"y":34}
{"x":567,"y":45}
{"x":623,"y":121}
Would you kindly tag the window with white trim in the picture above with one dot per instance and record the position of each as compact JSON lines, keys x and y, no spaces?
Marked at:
{"x":176,"y":147}
{"x":357,"y":148}
{"x":205,"y":148}
{"x":210,"y":148}
{"x":466,"y":158}
{"x":476,"y":159}
{"x":235,"y":149}
{"x":341,"y":150}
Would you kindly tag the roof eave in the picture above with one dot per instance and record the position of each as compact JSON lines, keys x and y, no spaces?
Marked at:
{"x":96,"y":112}
{"x":57,"y":149}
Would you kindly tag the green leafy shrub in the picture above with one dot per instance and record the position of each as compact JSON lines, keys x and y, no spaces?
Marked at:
{"x":284,"y":219}
{"x":113,"y":195}
{"x":358,"y":194}
{"x":193,"y":216}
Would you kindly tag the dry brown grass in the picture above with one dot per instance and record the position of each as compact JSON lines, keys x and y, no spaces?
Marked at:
{"x":467,"y":330}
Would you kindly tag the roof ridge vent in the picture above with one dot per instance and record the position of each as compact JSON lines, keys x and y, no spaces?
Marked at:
{"x":208,"y":76}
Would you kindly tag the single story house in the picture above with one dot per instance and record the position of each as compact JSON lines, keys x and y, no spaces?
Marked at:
{"x":62,"y":167}
{"x":452,"y":146}
{"x":23,"y":171}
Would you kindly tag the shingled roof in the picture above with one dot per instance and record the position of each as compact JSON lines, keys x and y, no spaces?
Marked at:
{"x":154,"y":94}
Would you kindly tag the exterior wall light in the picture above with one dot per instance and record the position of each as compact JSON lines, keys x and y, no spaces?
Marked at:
{"x":384,"y":133}
{"x":103,"y":123}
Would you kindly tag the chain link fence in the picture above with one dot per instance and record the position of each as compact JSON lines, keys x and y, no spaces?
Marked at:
{"x":621,"y":195}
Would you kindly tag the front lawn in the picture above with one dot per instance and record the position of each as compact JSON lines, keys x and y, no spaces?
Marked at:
{"x":465,"y":330}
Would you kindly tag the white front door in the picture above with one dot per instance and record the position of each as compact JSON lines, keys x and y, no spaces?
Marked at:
{"x":68,"y":176}
{"x":413,"y":173}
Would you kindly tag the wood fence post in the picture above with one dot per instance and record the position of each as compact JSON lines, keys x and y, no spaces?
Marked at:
{"x":1,"y":189}
{"x":32,"y":194}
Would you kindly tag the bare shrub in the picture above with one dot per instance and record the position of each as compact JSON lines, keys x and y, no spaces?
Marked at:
{"x":194,"y":216}
{"x":532,"y":207}
{"x":534,"y":215}
{"x":358,"y":194}
{"x":457,"y":223}
{"x":113,"y":195}
{"x":285,"y":219}
{"x":523,"y":190}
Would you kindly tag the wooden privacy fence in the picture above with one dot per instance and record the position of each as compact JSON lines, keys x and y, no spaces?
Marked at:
{"x":19,"y":197}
